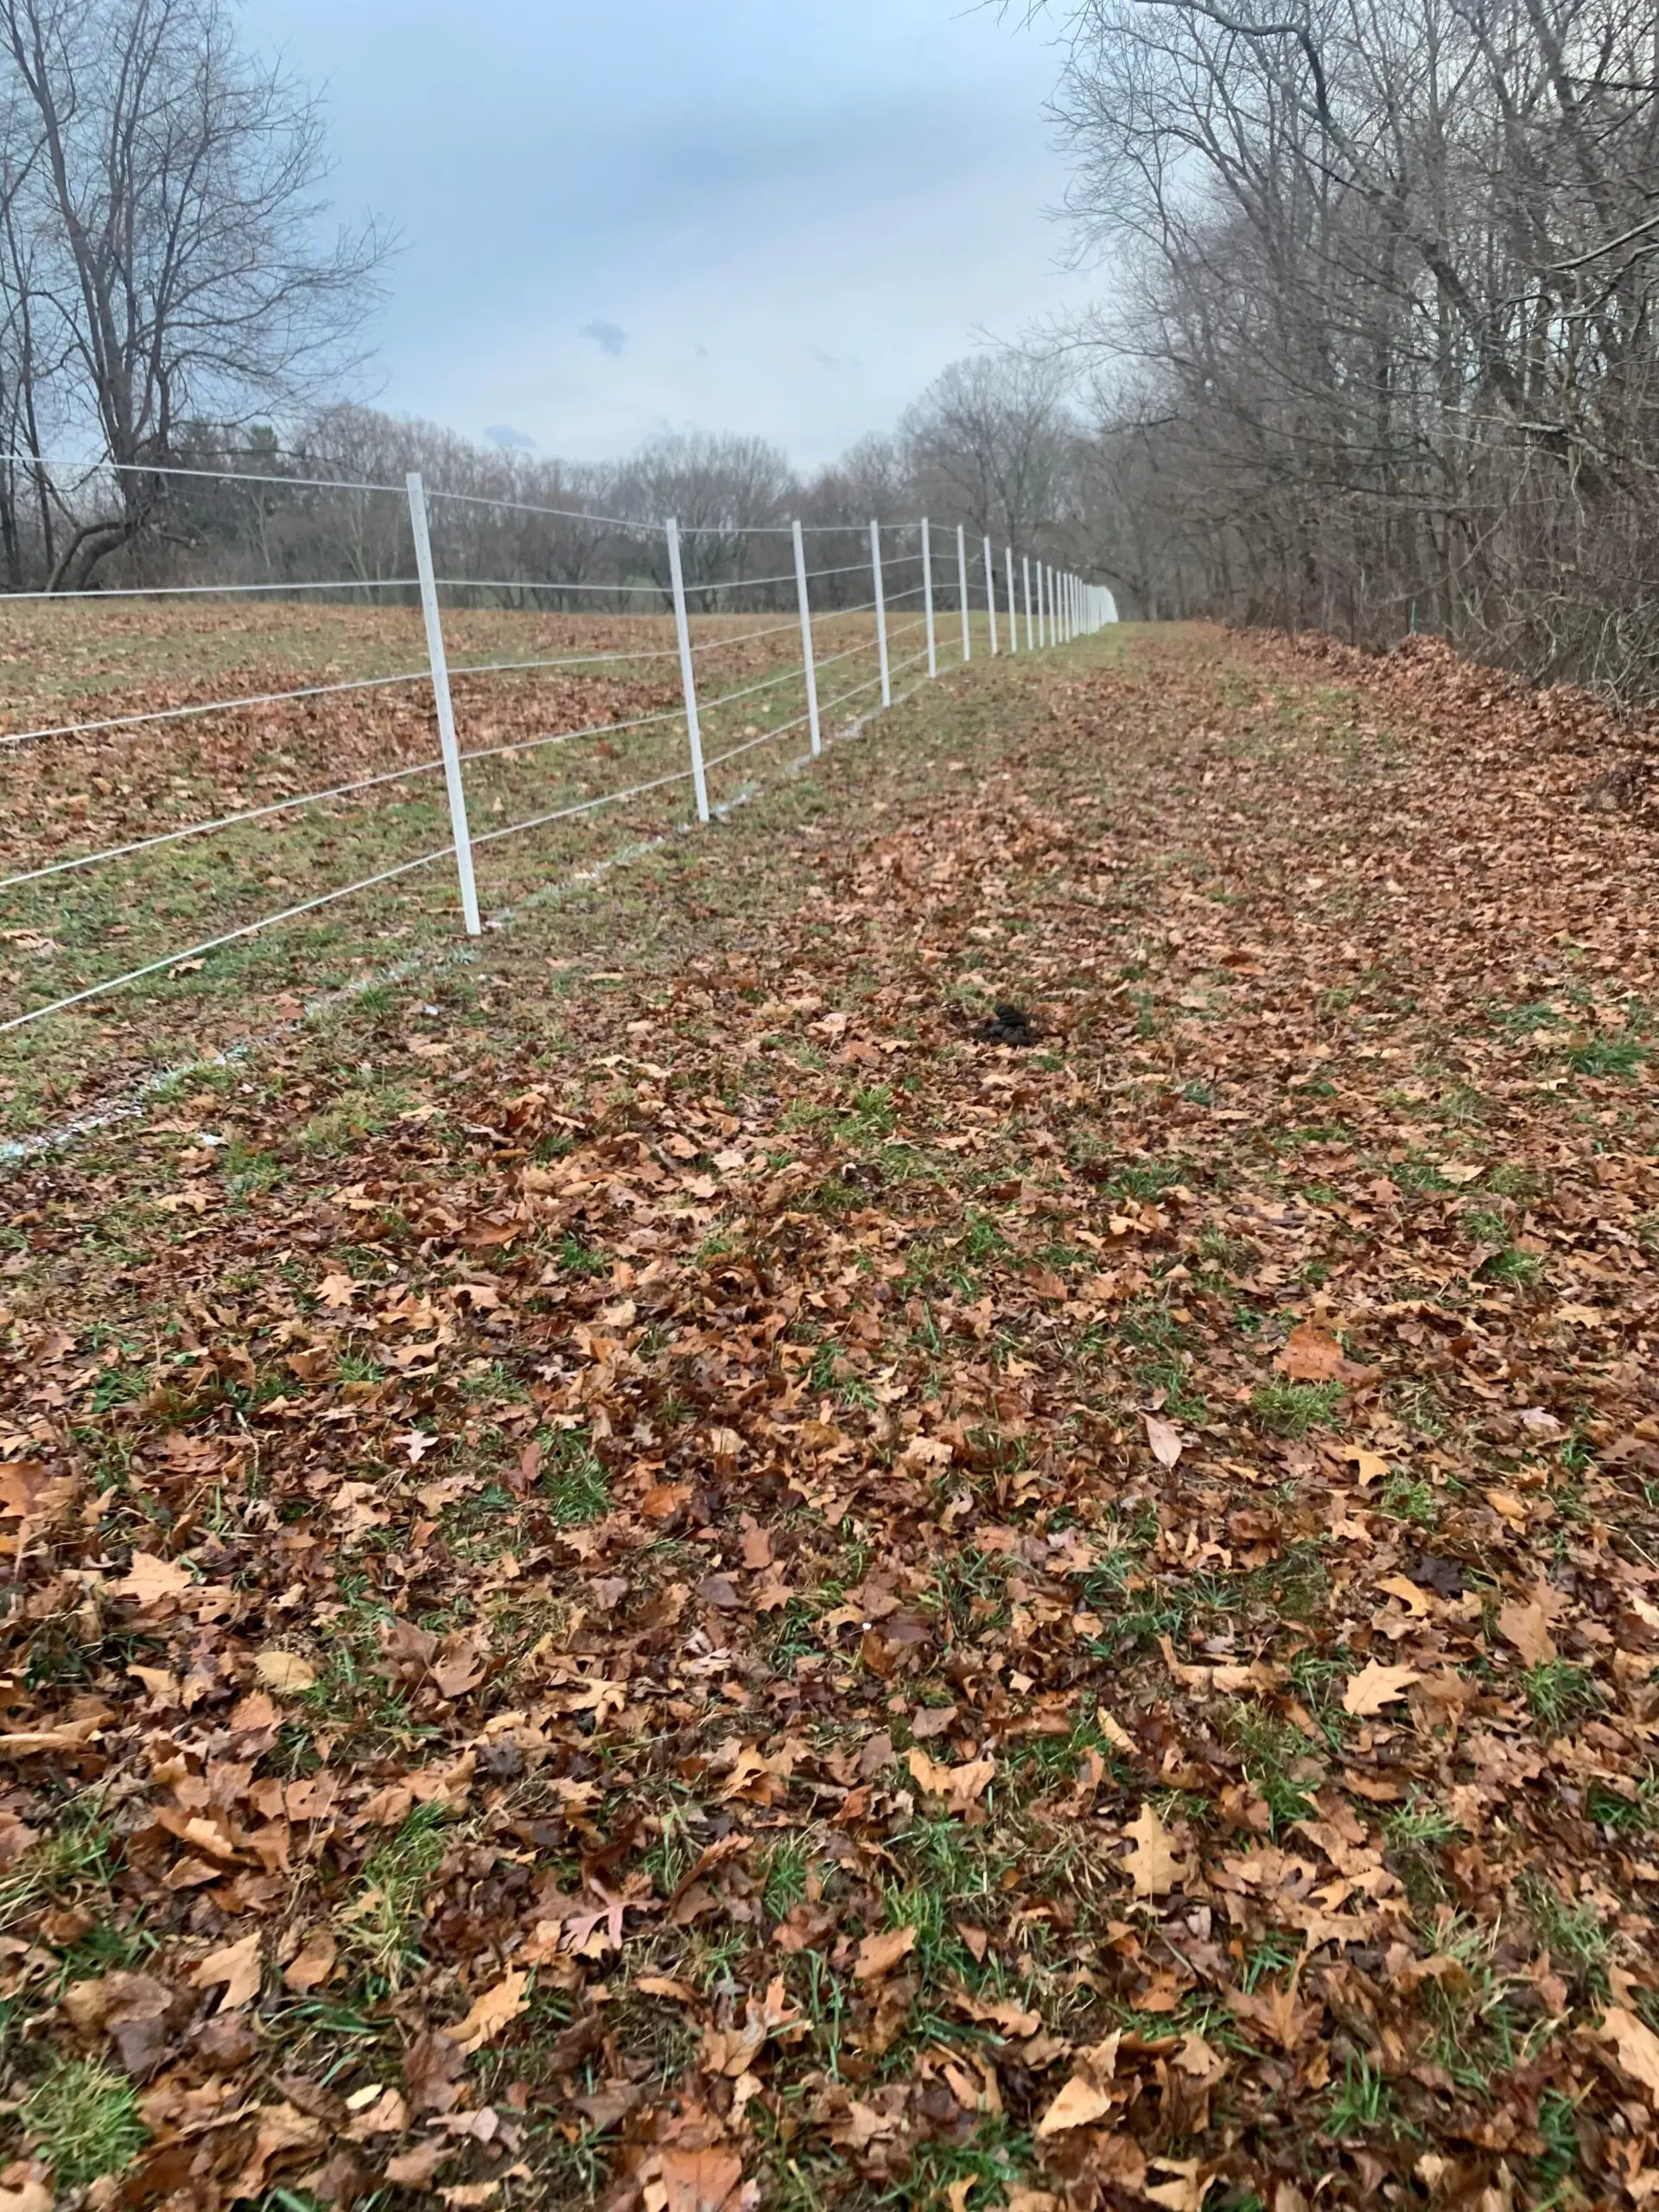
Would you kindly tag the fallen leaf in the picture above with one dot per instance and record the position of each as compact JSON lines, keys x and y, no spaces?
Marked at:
{"x":1078,"y":2105}
{"x":1200,"y":2059}
{"x":1369,"y":1466}
{"x":664,"y":1984}
{"x":414,"y":2169}
{"x":1637,"y":2047}
{"x":757,"y":1547}
{"x":1001,"y":2013}
{"x":1376,"y":1686}
{"x":27,"y":2197}
{"x":285,"y":1672}
{"x":1310,"y":1355}
{"x":663,"y":1500}
{"x":311,"y":1966}
{"x":492,"y":2013}
{"x":1153,"y":1864}
{"x":1166,"y":1443}
{"x":958,"y":1785}
{"x":1185,"y":2192}
{"x":701,"y":2181}
{"x":879,"y":1954}
{"x":1526,"y":1627}
{"x":151,"y":1580}
{"x":238,"y":1967}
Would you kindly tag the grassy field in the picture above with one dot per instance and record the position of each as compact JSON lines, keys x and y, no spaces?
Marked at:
{"x":654,"y":1572}
{"x":64,"y":798}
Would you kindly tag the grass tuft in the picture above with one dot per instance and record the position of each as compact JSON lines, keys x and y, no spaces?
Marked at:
{"x":82,"y":2121}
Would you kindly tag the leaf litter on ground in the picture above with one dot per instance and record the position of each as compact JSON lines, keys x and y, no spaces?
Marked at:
{"x":744,"y":1597}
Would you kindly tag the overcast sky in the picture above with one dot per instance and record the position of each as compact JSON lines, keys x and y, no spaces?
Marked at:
{"x":779,"y":216}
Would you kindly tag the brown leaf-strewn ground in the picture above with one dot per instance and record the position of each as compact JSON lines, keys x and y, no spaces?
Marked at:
{"x":664,"y":1579}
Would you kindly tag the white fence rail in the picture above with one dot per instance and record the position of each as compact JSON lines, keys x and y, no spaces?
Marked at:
{"x":905,"y":591}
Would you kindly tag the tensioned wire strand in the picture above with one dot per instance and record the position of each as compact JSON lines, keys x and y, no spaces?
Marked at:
{"x":86,"y":470}
{"x":424,"y":859}
{"x":383,"y":682}
{"x":424,"y":767}
{"x":411,"y":584}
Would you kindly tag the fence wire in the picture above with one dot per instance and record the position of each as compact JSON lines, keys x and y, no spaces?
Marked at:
{"x":624,"y":673}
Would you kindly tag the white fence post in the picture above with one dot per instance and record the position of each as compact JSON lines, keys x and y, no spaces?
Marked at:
{"x":927,"y":599}
{"x":440,"y":661}
{"x":807,"y":660}
{"x":688,"y":672}
{"x":962,"y":592}
{"x":880,"y":613}
{"x":1014,"y":612}
{"x":990,"y":593}
{"x":1030,"y":630}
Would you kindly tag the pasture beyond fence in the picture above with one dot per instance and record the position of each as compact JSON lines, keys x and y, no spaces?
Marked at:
{"x":170,"y":773}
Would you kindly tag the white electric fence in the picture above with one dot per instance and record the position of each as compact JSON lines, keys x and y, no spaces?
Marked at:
{"x":895,"y":594}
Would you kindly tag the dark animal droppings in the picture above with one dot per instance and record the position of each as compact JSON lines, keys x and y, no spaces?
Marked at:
{"x":1008,"y":1025}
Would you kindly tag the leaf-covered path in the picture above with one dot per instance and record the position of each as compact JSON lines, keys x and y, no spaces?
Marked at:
{"x":670,"y":1580}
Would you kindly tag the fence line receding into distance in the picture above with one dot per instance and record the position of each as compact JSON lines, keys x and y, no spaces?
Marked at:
{"x":1011,"y":599}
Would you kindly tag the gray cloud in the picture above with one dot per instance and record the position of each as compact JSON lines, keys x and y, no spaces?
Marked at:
{"x":503,"y":434}
{"x":609,"y":337}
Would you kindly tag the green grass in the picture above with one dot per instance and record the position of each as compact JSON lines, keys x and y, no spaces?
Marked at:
{"x":77,"y":1861}
{"x":574,"y":1480}
{"x":1558,"y":2160}
{"x":1363,"y":2104}
{"x":1574,"y":1935}
{"x":1558,"y":1692}
{"x":1519,"y":1270}
{"x":1419,"y":1824}
{"x":1605,"y":1056}
{"x":383,"y":1922}
{"x":82,"y":2118}
{"x":579,"y":1259}
{"x":1409,"y":1499}
{"x":1272,"y":1750}
{"x":1293,"y":1409}
{"x":975,"y":2174}
{"x":784,"y":1869}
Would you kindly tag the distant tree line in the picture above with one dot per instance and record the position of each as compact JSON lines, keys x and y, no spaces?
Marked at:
{"x":994,"y":444}
{"x":1383,"y":352}
{"x":172,"y":298}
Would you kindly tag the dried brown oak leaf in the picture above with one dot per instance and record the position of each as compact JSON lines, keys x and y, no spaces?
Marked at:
{"x":1637,"y":2047}
{"x":1376,"y":1686}
{"x":1154,"y":1866}
{"x":879,"y":1954}
{"x":238,"y":1967}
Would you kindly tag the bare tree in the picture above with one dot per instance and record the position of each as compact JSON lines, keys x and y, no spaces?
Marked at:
{"x":1385,"y":326}
{"x":988,"y":444}
{"x":162,"y":238}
